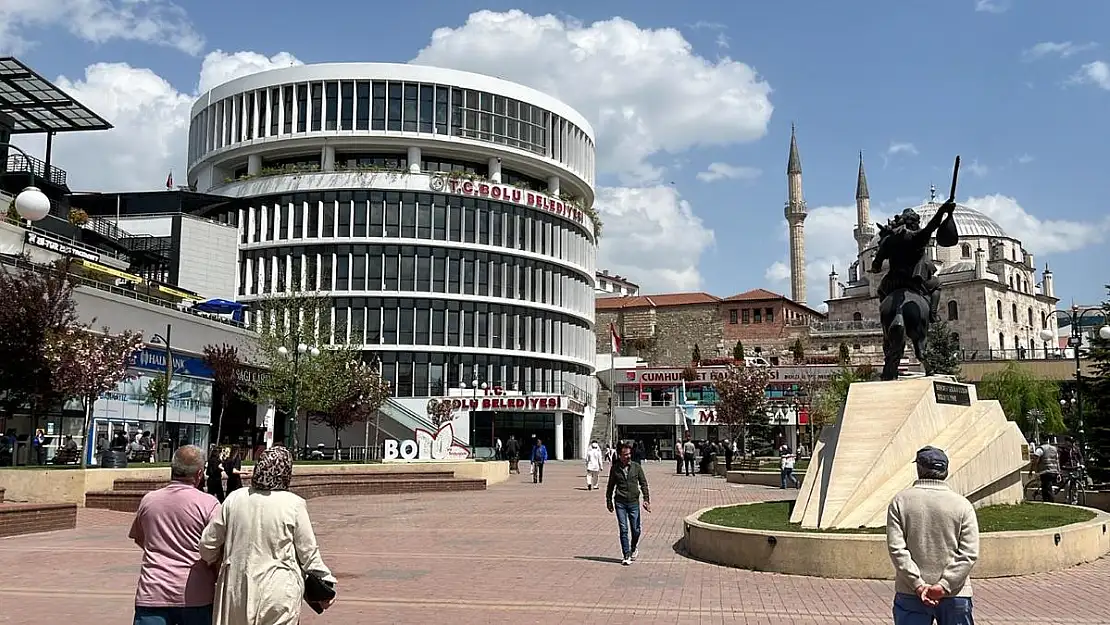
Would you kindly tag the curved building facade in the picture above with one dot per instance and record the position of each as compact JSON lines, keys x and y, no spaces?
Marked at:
{"x":447,"y":215}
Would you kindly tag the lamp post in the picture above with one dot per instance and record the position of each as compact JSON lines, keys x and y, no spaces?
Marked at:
{"x":1075,"y":342}
{"x":31,"y":203}
{"x":164,"y":426}
{"x":473,"y":425}
{"x":291,"y":432}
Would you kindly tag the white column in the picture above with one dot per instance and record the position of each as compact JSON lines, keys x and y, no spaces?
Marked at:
{"x":553,"y":186}
{"x":559,"y":436}
{"x":327,"y":158}
{"x":495,"y":170}
{"x":254,"y":164}
{"x":414,"y":160}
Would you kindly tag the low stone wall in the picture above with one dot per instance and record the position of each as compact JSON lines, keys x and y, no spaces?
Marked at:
{"x":17,"y":519}
{"x":758,"y":478}
{"x":70,"y":485}
{"x":1099,"y":499}
{"x":864,"y":556}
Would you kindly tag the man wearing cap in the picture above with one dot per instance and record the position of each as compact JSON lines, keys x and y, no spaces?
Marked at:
{"x":932,"y":535}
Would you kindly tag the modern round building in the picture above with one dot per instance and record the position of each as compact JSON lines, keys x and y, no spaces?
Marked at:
{"x":448,"y":215}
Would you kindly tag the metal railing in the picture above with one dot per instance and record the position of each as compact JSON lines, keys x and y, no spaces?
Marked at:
{"x":18,"y":163}
{"x":845,"y":326}
{"x":1021,"y":353}
{"x":407,"y":418}
{"x":78,"y":244}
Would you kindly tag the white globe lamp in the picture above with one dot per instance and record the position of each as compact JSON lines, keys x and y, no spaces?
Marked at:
{"x":1047,"y":335}
{"x":1104,"y":333}
{"x":32,"y":204}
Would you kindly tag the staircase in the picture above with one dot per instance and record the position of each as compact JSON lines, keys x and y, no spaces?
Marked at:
{"x":401,"y":422}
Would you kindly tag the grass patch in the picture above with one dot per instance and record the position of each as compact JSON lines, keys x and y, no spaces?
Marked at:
{"x":774,"y":516}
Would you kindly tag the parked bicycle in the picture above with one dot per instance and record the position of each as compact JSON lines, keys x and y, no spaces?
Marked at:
{"x":1069,"y":489}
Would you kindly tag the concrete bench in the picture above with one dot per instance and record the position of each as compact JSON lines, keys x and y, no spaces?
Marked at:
{"x":17,"y":519}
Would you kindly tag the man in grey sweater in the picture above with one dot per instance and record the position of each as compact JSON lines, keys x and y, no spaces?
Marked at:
{"x":932,"y":535}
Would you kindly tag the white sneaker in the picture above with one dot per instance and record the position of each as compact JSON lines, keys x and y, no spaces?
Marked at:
{"x":635,"y":554}
{"x":626,"y":562}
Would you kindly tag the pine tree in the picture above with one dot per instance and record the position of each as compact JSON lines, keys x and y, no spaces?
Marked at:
{"x":941,"y":356}
{"x":1096,"y":405}
{"x":738,"y":351}
{"x":696,"y":356}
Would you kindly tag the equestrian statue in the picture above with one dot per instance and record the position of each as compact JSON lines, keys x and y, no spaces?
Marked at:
{"x":909,"y":293}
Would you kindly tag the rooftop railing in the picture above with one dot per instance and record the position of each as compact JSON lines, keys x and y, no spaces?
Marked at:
{"x":18,"y":163}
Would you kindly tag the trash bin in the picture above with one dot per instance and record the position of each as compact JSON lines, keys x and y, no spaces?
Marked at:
{"x":113,"y":459}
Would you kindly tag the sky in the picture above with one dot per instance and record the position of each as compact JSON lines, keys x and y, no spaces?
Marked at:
{"x":691,"y":103}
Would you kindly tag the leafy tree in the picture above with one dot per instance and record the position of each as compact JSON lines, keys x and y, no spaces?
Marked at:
{"x":738,"y":351}
{"x":157,"y":392}
{"x":941,"y":352}
{"x":1095,"y":395}
{"x":827,"y":398}
{"x":86,"y":364}
{"x":439,"y":411}
{"x":799,"y":351}
{"x":225,"y":364}
{"x":36,"y":305}
{"x":1020,"y":392}
{"x":843,"y":355}
{"x":742,"y":400}
{"x":690,"y":373}
{"x":351,"y":393}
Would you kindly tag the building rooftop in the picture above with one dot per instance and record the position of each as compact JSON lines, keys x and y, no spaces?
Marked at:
{"x":36,"y":105}
{"x":654,"y":301}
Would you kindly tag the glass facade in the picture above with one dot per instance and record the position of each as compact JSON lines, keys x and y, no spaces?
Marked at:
{"x":389,"y":105}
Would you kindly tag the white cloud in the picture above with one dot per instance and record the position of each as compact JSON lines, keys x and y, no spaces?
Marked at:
{"x":645,"y":91}
{"x":722,"y":41}
{"x":652,"y":236}
{"x":1062,"y":49}
{"x":158,"y":22}
{"x":901,"y":147}
{"x":1094,"y":73}
{"x":724,"y":171}
{"x":992,"y":6}
{"x":151,"y":119}
{"x":220,"y":67}
{"x":1025,"y":159}
{"x":1040,"y":236}
{"x":978,"y":169}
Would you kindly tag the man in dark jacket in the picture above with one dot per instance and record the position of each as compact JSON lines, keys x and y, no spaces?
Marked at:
{"x":512,"y":452}
{"x":539,"y":458}
{"x":626,"y":482}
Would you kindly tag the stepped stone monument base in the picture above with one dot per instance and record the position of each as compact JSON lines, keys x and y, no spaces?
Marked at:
{"x":867,"y":457}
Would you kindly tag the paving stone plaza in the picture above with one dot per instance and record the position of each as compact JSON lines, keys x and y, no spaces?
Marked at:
{"x":519,"y":553}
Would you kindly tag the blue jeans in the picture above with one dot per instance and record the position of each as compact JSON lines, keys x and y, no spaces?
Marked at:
{"x":628,"y":518}
{"x":909,"y":610}
{"x":173,"y":616}
{"x":788,"y":474}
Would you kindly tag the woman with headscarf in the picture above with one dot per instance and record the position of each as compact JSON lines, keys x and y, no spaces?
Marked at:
{"x":264,"y":545}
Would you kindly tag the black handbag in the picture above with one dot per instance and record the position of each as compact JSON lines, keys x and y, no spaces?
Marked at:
{"x":317,"y":591}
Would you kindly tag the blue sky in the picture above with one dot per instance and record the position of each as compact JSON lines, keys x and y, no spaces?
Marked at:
{"x":1018,"y":88}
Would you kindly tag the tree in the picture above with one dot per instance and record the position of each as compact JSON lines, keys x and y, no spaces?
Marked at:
{"x":696,"y":356}
{"x":351,"y":393}
{"x":742,"y":400}
{"x":439,"y":411}
{"x":86,"y":364}
{"x":224,"y":362}
{"x":157,"y":392}
{"x":37,"y":305}
{"x":843,"y":355}
{"x":1020,"y":393}
{"x":738,"y":351}
{"x":799,"y":351}
{"x":1095,"y":395}
{"x":827,"y":398}
{"x":941,"y":351}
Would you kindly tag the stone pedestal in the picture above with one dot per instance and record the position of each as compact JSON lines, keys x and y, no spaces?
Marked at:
{"x":867,"y":457}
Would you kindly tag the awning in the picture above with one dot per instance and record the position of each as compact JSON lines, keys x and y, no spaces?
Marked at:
{"x":176,"y":292}
{"x":90,"y":265}
{"x":219,"y":307}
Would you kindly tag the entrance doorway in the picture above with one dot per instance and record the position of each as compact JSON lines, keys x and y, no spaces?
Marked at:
{"x":486,"y":426}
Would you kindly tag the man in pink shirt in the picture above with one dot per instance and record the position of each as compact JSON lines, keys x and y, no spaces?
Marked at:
{"x":175,"y":586}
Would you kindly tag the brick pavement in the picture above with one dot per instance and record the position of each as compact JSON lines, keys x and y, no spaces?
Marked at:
{"x":518,"y":553}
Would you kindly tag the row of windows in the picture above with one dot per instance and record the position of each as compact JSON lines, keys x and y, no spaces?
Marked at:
{"x":339,"y":268}
{"x":388,"y":106}
{"x":751,"y":315}
{"x":952,"y":310}
{"x":423,"y":374}
{"x":393,"y":214}
{"x":414,"y":321}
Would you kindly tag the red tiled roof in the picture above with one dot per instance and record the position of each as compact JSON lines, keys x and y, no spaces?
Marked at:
{"x":755,"y":295}
{"x":654,"y":301}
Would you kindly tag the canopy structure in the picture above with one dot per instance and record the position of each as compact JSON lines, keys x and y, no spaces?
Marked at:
{"x":221,"y":307}
{"x":36,"y":105}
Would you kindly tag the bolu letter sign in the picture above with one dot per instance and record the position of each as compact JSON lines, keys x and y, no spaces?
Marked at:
{"x":426,"y":447}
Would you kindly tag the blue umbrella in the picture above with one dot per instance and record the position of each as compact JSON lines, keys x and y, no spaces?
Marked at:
{"x":221,"y":307}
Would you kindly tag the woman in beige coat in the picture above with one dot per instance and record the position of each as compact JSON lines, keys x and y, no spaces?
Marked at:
{"x":264,"y":544}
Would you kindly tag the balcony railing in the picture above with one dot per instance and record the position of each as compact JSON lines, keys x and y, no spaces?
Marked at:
{"x":866,"y":325}
{"x":1021,"y":353}
{"x":18,"y":163}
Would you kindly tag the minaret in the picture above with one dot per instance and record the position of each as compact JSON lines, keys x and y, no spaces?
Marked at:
{"x":834,"y":284}
{"x":863,"y":231}
{"x":795,"y":217}
{"x":1048,"y":287}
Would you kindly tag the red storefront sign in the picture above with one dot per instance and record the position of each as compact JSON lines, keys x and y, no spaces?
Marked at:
{"x":508,"y":193}
{"x":518,"y":403}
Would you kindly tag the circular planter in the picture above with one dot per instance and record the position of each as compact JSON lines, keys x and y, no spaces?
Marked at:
{"x":864,"y":556}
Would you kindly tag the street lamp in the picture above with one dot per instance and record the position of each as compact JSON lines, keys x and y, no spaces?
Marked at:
{"x":301,"y":350}
{"x":165,"y":340}
{"x":1075,"y":342}
{"x":31,"y":203}
{"x":473,"y":425}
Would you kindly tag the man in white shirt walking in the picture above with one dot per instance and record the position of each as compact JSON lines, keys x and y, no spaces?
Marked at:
{"x":593,"y":465}
{"x":932,"y":535}
{"x":786,"y":468}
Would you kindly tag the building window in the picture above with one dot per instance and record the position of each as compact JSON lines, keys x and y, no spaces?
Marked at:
{"x":1013,"y":312}
{"x":1044,"y":320}
{"x":758,"y":315}
{"x":857,"y":316}
{"x":769,"y":314}
{"x":733,"y":316}
{"x":953,"y":310}
{"x":1030,"y":316}
{"x":998,"y":309}
{"x":1001,"y":341}
{"x":745,"y":316}
{"x":965,"y":250}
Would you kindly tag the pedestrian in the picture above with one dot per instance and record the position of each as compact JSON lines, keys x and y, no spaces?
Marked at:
{"x":539,"y":458}
{"x":730,"y":452}
{"x":1048,"y":466}
{"x":175,"y":586}
{"x":512,"y":450}
{"x":38,"y":448}
{"x":689,"y":454}
{"x":264,"y":546}
{"x":593,"y":465}
{"x":932,"y":535}
{"x":786,"y":468}
{"x":497,"y":449}
{"x":215,"y":474}
{"x":678,"y":457}
{"x":233,"y":467}
{"x":622,"y":495}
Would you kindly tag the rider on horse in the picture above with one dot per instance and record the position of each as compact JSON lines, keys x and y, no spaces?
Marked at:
{"x":902,"y":243}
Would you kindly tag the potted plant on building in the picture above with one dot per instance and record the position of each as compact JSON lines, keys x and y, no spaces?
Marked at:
{"x":78,"y":217}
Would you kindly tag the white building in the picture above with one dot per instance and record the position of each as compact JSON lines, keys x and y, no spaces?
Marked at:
{"x":991,"y":295}
{"x":449,"y":214}
{"x":611,"y":284}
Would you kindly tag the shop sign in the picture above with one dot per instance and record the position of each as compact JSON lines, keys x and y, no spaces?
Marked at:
{"x":508,"y":193}
{"x":518,"y":403}
{"x":58,"y":247}
{"x":707,"y":375}
{"x":776,"y":415}
{"x":427,"y":446}
{"x":155,"y":360}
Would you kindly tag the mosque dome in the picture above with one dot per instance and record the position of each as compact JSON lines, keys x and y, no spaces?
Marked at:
{"x":969,"y":222}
